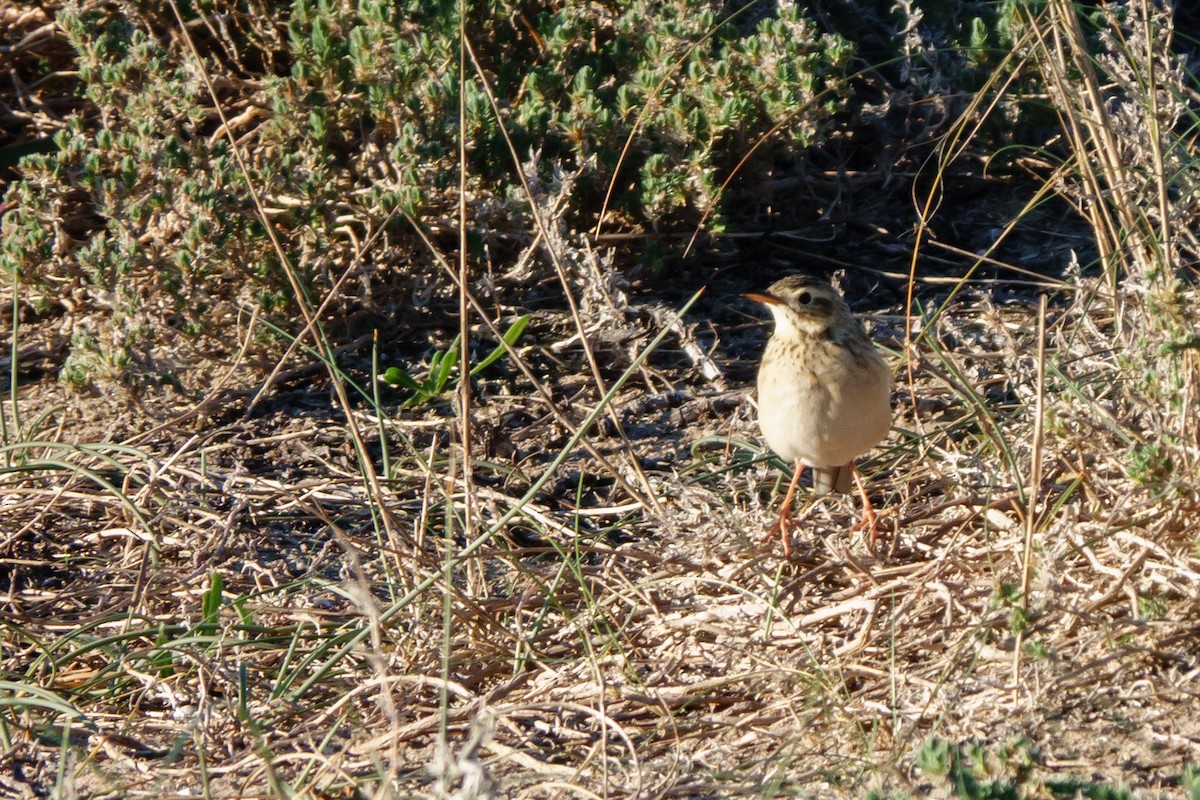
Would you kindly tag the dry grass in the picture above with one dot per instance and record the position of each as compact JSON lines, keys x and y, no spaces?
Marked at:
{"x":605,"y":648}
{"x":313,"y":599}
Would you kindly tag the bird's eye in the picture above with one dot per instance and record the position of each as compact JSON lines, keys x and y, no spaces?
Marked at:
{"x":804,"y":298}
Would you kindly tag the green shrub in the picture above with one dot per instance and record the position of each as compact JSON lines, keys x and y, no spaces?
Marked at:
{"x":347,"y":111}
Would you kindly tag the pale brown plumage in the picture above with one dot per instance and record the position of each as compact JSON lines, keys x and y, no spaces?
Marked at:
{"x":823,"y":388}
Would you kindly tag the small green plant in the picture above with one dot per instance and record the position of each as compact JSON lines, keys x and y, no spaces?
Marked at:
{"x":210,"y":606}
{"x":1007,"y":595}
{"x":1148,"y":463}
{"x":935,"y":758}
{"x":1036,"y":650}
{"x":1152,"y":607}
{"x":978,"y":771}
{"x":89,"y":362}
{"x":442,"y":366}
{"x":1191,"y":782}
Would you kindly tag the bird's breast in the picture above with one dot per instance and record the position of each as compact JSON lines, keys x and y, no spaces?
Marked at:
{"x":822,"y":402}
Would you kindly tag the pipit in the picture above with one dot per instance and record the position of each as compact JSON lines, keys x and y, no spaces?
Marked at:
{"x":824,"y":391}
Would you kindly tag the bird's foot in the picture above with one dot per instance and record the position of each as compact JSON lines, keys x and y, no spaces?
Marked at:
{"x":783,"y":526}
{"x":869,"y":523}
{"x":870,"y":520}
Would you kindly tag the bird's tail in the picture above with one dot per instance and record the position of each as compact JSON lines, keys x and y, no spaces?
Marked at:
{"x":833,"y":479}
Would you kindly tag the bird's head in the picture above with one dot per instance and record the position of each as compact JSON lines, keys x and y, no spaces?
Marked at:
{"x":804,"y":306}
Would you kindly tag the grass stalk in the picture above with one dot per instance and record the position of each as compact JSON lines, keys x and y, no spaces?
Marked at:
{"x":13,"y":397}
{"x":1032,"y":495}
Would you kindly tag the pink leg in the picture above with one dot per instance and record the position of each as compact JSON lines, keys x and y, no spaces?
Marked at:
{"x":869,"y":519}
{"x":784,"y":524}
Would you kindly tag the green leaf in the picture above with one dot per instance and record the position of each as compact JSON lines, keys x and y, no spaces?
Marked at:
{"x":395,"y":376}
{"x":440,"y":375}
{"x":21,"y":696}
{"x":510,"y":337}
{"x":210,"y":603}
{"x":245,"y":615}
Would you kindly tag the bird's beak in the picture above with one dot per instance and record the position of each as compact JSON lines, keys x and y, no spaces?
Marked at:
{"x":764,"y":298}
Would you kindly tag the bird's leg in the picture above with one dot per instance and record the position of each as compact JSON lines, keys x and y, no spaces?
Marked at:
{"x":785,"y":522}
{"x":869,"y":519}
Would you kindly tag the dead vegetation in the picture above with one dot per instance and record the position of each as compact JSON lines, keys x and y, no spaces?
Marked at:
{"x":303,"y":593}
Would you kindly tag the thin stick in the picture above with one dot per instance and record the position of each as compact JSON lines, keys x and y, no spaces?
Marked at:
{"x":1031,"y":495}
{"x":464,"y":403}
{"x":464,"y":309}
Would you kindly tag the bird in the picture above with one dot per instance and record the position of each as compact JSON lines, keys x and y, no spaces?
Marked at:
{"x":824,"y":391}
